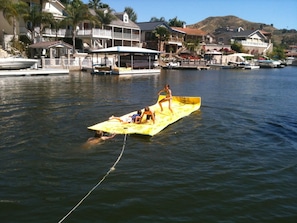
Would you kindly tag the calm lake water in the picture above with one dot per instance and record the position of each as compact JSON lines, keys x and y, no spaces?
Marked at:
{"x":234,"y":160}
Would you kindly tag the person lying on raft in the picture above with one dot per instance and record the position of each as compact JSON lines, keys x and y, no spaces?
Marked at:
{"x":150,"y":115}
{"x":97,"y":138}
{"x":136,"y":118}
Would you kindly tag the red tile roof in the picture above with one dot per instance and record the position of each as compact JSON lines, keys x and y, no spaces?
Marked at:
{"x":190,"y":31}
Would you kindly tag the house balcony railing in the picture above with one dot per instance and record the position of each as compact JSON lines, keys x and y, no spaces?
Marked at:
{"x":126,"y":36}
{"x":95,"y":33}
{"x":254,"y":44}
{"x":57,"y":33}
{"x":176,"y":39}
{"x":92,"y":33}
{"x":89,"y":33}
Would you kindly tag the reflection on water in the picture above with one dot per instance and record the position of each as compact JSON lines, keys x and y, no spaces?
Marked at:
{"x":236,"y":155}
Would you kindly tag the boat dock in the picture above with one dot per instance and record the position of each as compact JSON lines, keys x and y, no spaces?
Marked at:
{"x":130,"y":61}
{"x":187,"y":65}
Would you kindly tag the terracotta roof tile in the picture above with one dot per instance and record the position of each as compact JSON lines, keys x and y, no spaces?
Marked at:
{"x":190,"y":31}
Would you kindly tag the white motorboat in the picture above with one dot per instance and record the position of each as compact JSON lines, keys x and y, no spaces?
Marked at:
{"x":270,"y":64}
{"x":243,"y":65}
{"x":16,"y":63}
{"x":172,"y":65}
{"x":251,"y":66}
{"x":291,"y":61}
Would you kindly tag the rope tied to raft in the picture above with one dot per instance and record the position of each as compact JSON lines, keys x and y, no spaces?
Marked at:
{"x":103,"y":178}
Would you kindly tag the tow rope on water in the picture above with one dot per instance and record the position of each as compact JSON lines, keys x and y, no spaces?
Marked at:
{"x":103,"y":178}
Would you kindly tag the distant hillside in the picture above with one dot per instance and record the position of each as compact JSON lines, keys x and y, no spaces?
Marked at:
{"x":210,"y":24}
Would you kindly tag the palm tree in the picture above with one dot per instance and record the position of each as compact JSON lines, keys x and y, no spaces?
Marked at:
{"x":131,"y":13}
{"x":192,"y":44}
{"x":12,"y":11}
{"x":155,"y":19}
{"x":176,"y":22}
{"x":162,"y":34}
{"x":95,"y":4}
{"x":41,"y":5}
{"x":103,"y":17}
{"x":76,"y":12}
{"x":56,"y":24}
{"x":37,"y":18}
{"x":65,"y":2}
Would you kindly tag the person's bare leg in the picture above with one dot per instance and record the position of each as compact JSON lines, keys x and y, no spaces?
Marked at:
{"x":160,"y":103}
{"x":169,"y":106}
{"x":117,"y":118}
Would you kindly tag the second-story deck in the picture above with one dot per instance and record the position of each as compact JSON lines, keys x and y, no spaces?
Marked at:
{"x":92,"y":33}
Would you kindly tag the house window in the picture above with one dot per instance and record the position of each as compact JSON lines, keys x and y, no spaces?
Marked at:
{"x":221,"y":40}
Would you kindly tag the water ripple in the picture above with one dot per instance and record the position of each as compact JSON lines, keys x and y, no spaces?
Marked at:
{"x":231,"y":161}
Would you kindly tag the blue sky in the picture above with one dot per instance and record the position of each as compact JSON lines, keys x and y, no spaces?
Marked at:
{"x":280,"y":13}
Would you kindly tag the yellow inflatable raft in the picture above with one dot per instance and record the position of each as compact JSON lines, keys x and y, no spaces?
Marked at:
{"x":181,"y":106}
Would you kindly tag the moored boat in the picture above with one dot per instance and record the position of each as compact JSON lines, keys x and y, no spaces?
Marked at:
{"x":270,"y":64}
{"x":171,"y":65}
{"x":34,"y":72}
{"x":243,"y":65}
{"x":101,"y":69}
{"x":15,"y":63}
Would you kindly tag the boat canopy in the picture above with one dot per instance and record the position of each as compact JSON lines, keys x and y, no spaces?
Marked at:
{"x":238,"y":57}
{"x":242,"y":54}
{"x":125,"y":49}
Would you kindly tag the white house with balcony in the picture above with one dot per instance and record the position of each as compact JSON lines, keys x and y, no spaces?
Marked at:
{"x":55,"y":7}
{"x":23,"y":28}
{"x":254,"y":42}
{"x":120,"y":32}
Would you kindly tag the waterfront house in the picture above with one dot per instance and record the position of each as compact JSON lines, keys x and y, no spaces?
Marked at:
{"x":25,"y":29}
{"x":194,"y":39}
{"x":171,"y":44}
{"x":120,"y":32}
{"x":183,"y":42}
{"x":192,"y":34}
{"x":256,"y":42}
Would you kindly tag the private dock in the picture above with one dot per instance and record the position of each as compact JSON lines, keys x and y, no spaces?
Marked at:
{"x":187,"y":64}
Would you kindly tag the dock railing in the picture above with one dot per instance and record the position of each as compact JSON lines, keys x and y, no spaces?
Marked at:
{"x":62,"y":63}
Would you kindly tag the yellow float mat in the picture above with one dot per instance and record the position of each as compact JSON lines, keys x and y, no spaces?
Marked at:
{"x":181,"y":106}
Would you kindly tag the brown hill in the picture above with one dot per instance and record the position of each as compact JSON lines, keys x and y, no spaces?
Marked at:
{"x":210,"y":24}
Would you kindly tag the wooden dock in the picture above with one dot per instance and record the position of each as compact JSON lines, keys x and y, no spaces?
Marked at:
{"x":187,"y":64}
{"x":187,"y":67}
